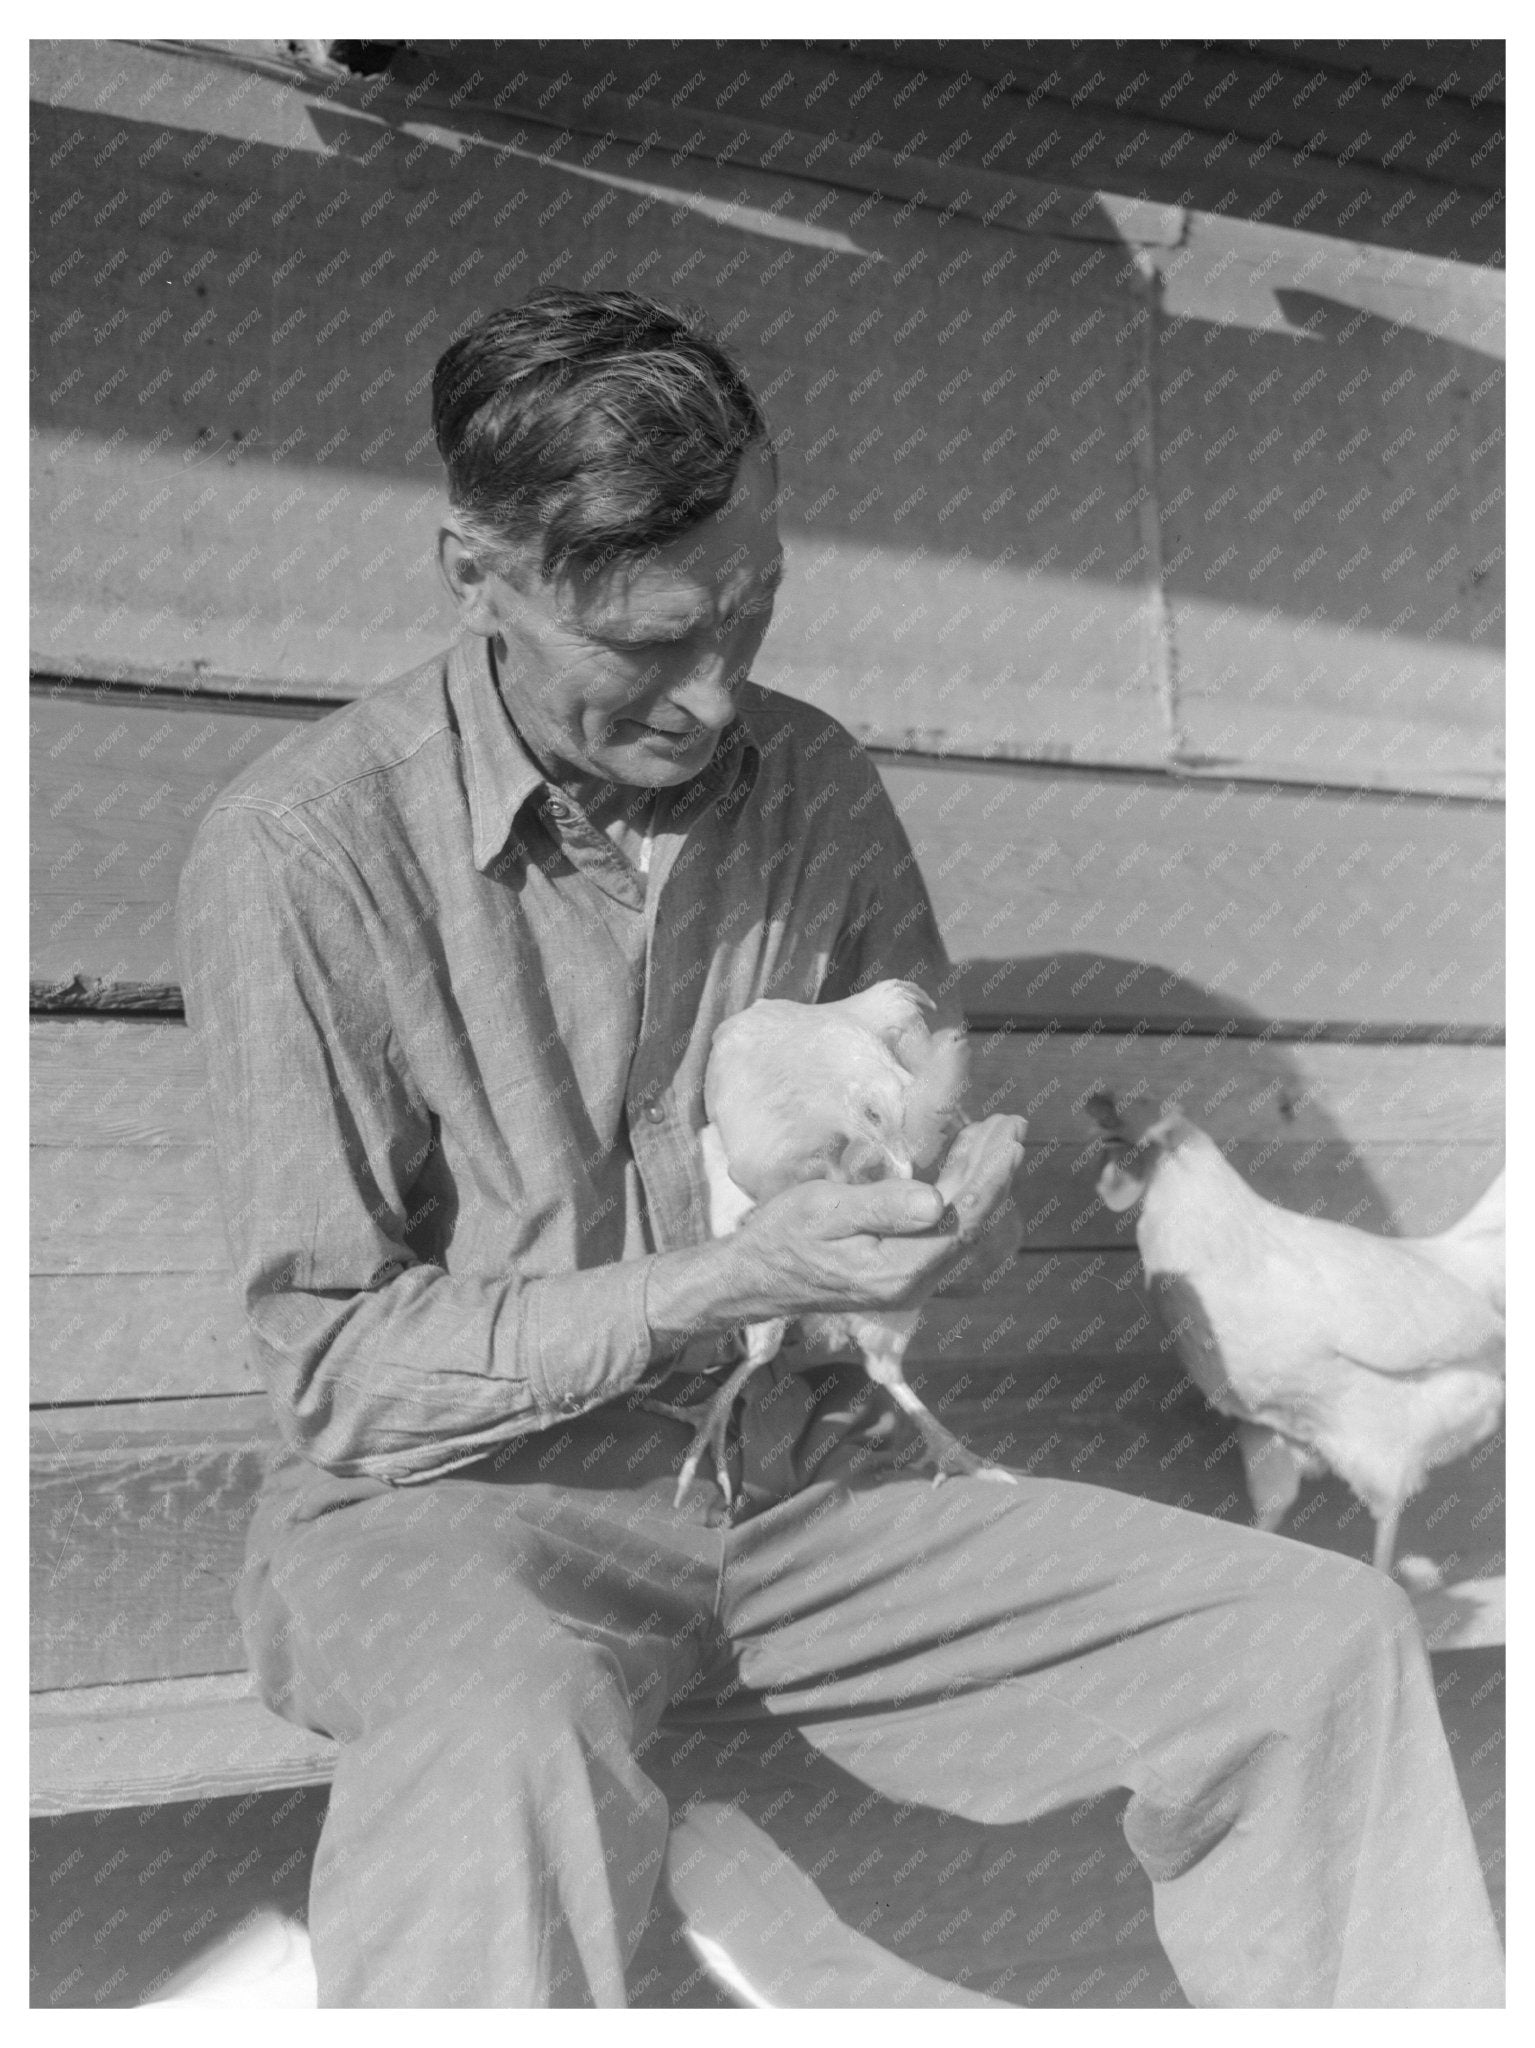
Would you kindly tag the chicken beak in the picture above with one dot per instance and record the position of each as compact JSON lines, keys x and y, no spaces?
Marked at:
{"x":864,"y":1160}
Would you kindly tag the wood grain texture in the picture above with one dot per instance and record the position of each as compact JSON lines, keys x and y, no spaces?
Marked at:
{"x":95,"y":1748}
{"x":139,"y":1509}
{"x":139,"y":1514}
{"x":136,"y":1336}
{"x":313,"y":568}
{"x":1132,"y":897}
{"x":132,"y":1296}
{"x":955,"y":582}
{"x":1052,"y":117}
{"x":1069,"y":896}
{"x":139,"y":1083}
{"x":119,"y":1210}
{"x":1351,"y":615}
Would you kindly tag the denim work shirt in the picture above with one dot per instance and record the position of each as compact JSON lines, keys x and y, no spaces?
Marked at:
{"x":457,"y":1043}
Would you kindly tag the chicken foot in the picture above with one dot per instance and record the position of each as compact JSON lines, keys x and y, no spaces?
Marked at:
{"x":951,"y":1458}
{"x":763,"y":1342}
{"x":710,"y":1433}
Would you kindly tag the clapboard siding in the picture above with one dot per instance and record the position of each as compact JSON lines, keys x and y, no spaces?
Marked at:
{"x":139,"y":1510}
{"x":103,"y":1081}
{"x":236,"y":496}
{"x":132,"y":1296}
{"x":1158,"y":898}
{"x":155,"y":1331}
{"x":139,"y":1514}
{"x":315,"y":570}
{"x":136,"y":1336}
{"x":1306,"y":637}
{"x":1118,"y":116}
{"x":105,"y":1210}
{"x":957,"y":584}
{"x":141,"y":1743}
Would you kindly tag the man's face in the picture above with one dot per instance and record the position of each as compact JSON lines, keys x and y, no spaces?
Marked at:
{"x":630,"y":677}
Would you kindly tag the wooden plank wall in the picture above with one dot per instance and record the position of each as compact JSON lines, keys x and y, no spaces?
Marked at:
{"x":150,"y":1427}
{"x":1035,"y":602}
{"x":1220,"y":902}
{"x":1048,"y":458}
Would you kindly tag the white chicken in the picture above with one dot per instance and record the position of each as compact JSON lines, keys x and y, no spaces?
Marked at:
{"x":1374,"y":1357}
{"x":858,"y":1090}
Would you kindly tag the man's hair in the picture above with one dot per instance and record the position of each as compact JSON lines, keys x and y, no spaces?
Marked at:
{"x":590,"y":425}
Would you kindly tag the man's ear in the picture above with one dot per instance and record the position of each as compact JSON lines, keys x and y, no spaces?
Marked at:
{"x":480,"y":597}
{"x":464,"y":580}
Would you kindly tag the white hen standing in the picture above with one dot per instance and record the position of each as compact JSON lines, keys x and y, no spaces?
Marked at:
{"x":858,"y":1090}
{"x":1376,"y":1357}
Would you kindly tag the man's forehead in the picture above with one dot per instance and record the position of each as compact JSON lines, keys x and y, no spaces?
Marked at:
{"x":734,"y":546}
{"x":701,"y":572}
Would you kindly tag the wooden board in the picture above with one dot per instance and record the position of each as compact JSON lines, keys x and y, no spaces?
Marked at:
{"x":1331,"y":101}
{"x":136,"y":1336}
{"x":1454,"y":70}
{"x":95,"y":1748}
{"x":117,"y":790}
{"x":132,"y":1295}
{"x":1073,"y":896}
{"x":956,"y":581}
{"x":140,"y":1083}
{"x":1351,"y":615}
{"x":316,"y":570}
{"x":139,"y":1510}
{"x":1166,"y":122}
{"x":167,"y":1342}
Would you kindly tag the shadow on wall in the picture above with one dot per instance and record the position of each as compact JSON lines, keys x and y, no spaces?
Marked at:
{"x":1138,"y":1029}
{"x":290,"y":303}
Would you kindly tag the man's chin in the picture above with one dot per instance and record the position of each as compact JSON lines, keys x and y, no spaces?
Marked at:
{"x":653,"y":760}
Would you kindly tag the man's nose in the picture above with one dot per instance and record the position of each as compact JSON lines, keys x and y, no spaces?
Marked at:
{"x":703,"y":695}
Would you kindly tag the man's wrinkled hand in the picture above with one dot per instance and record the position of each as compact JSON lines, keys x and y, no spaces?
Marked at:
{"x":824,"y":1247}
{"x":979,"y":1182}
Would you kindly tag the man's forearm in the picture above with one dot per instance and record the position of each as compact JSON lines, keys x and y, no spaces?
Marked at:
{"x":429,"y":1371}
{"x":702,"y":1291}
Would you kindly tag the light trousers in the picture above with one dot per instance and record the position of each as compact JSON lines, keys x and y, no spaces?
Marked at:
{"x":505,"y":1651}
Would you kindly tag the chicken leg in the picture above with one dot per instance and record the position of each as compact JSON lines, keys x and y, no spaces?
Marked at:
{"x":949,"y":1456}
{"x":763,"y":1342}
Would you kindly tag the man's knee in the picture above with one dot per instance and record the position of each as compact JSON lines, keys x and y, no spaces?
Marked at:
{"x":540,"y":1673}
{"x":1358,"y":1603}
{"x":1324,"y":1632}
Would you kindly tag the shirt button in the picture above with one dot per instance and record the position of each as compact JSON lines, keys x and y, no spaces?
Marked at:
{"x":570,"y":1404}
{"x":654,"y":1113}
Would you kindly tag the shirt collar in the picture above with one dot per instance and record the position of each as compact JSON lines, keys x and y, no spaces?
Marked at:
{"x":501,"y":776}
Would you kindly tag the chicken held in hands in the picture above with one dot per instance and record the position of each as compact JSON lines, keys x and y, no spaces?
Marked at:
{"x":1374,"y":1357}
{"x":848,"y":1092}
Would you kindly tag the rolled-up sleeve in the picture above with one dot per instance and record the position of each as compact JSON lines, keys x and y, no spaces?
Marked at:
{"x":379,"y":1362}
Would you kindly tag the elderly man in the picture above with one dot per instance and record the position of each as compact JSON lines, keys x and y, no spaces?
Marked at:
{"x":456,"y":957}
